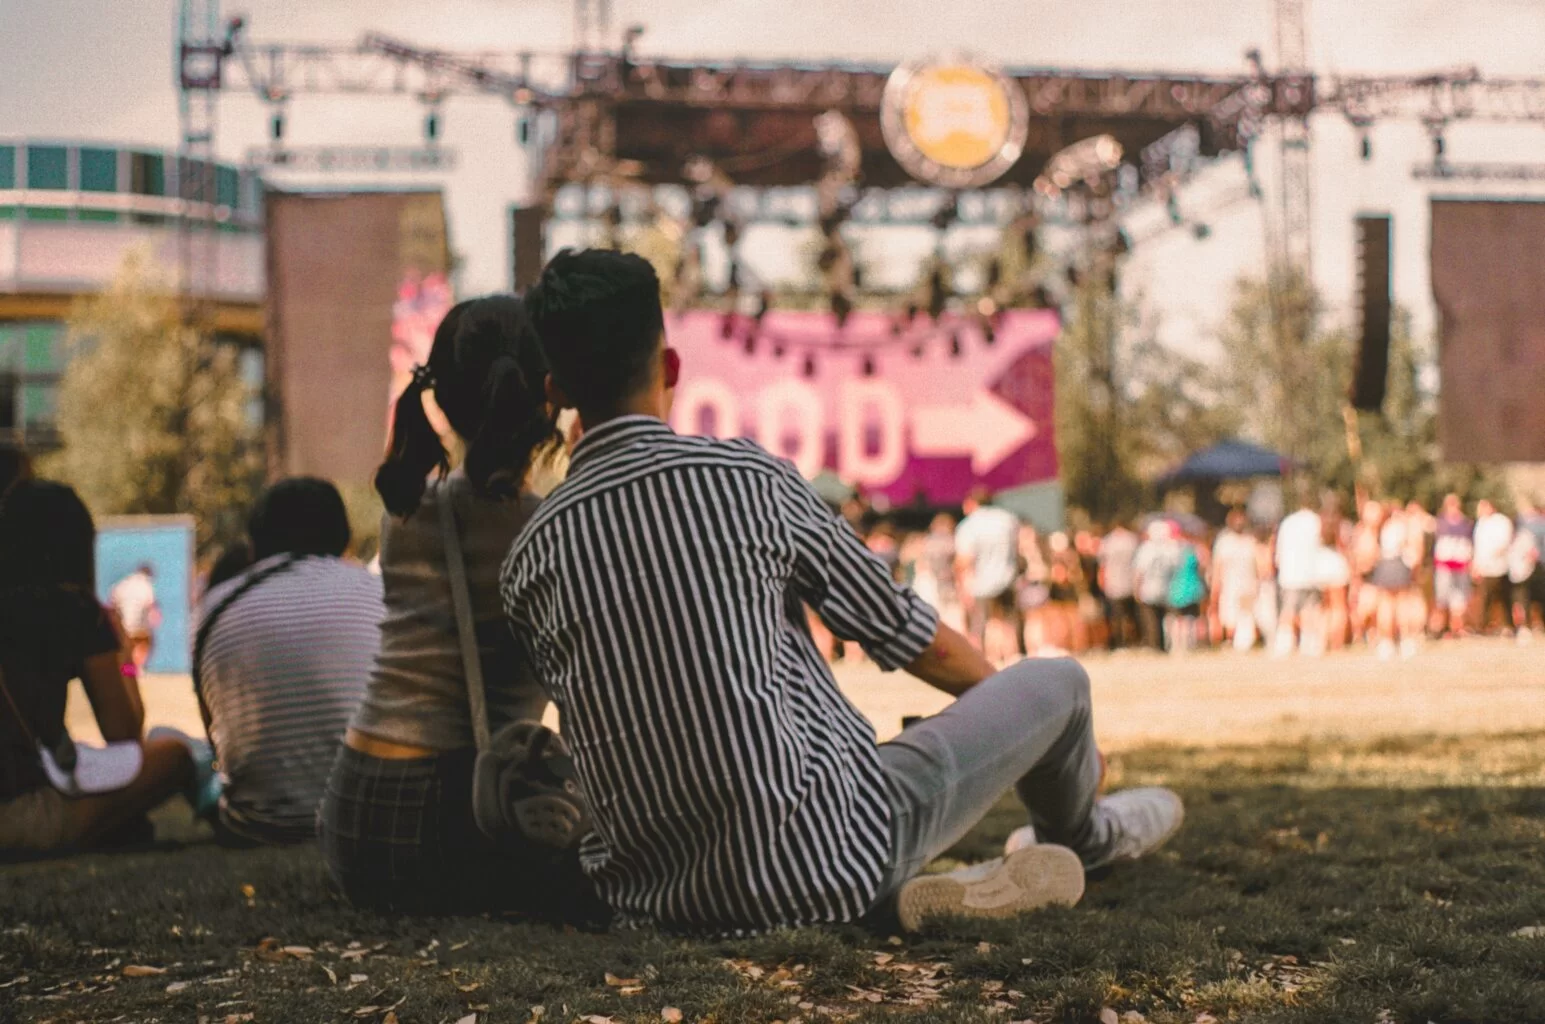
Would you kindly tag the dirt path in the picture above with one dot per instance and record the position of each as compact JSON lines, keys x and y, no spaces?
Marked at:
{"x":1203,"y":700}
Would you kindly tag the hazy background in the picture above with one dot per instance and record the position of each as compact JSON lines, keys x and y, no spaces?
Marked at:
{"x":102,"y":70}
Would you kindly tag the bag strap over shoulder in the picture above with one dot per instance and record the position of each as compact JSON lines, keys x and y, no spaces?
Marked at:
{"x":461,"y":602}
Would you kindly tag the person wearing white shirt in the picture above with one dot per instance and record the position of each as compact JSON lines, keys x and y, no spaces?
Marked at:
{"x":1493,"y":536}
{"x":1298,"y":559}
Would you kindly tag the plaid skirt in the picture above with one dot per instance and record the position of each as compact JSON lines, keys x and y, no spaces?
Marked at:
{"x":399,"y":836}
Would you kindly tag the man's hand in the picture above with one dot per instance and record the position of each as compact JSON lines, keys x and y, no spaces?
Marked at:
{"x":951,"y":663}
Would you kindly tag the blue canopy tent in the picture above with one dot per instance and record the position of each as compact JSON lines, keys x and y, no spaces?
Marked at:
{"x":1226,"y":460}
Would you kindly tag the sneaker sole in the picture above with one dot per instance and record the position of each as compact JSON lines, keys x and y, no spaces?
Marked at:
{"x":1028,"y":879}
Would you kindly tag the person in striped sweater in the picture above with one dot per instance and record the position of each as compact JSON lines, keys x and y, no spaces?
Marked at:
{"x":661,"y":593}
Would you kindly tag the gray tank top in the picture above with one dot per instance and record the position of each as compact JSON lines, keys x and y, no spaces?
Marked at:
{"x":417,"y":693}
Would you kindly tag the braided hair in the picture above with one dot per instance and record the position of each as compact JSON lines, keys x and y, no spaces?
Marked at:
{"x":488,"y":376}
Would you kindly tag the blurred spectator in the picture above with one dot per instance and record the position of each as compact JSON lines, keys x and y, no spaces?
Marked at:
{"x":1153,"y":568}
{"x":1298,"y":580}
{"x":134,"y":599}
{"x":1333,"y":573}
{"x":933,"y":570}
{"x":1452,"y":551}
{"x":54,"y":794}
{"x":1118,"y":550}
{"x":1187,"y":591}
{"x":281,"y":659}
{"x":1493,"y":537}
{"x":1236,"y":580}
{"x":987,"y":559}
{"x":1528,"y":588}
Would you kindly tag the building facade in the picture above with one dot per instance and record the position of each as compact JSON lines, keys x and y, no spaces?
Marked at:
{"x":69,"y":215}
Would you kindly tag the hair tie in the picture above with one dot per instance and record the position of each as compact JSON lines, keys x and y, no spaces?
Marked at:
{"x":423,"y":377}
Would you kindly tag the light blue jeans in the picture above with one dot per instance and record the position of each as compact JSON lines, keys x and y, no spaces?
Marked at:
{"x":1030,"y":728}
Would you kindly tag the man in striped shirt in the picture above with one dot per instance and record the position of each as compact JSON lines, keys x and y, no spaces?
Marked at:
{"x":284,"y":651}
{"x":660,"y":592}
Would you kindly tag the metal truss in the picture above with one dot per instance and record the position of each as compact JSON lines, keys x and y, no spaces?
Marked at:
{"x":1442,"y":97}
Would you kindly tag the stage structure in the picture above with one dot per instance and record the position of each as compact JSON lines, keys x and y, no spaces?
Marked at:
{"x":703,"y":149}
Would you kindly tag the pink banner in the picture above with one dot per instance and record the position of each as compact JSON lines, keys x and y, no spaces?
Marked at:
{"x":931,"y":409}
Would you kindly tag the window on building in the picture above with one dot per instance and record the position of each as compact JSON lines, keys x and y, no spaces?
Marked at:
{"x":98,"y":170}
{"x":46,"y":213}
{"x":39,"y":405}
{"x":227,"y":187}
{"x":7,"y":166}
{"x":42,"y":349}
{"x":147,"y":174}
{"x":48,"y":167}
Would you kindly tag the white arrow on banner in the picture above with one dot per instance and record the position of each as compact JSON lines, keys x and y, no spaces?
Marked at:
{"x":988,"y":429}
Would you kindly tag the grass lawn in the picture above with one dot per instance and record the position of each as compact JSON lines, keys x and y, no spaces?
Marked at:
{"x":1318,"y":882}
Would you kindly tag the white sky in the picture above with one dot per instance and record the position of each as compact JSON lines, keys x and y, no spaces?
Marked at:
{"x":102,"y":70}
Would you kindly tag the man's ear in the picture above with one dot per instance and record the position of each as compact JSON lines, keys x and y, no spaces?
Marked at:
{"x":555,"y":394}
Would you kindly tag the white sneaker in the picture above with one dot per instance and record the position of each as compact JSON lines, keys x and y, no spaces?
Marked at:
{"x":1019,"y":839}
{"x":1386,"y":650}
{"x":1142,"y":820}
{"x":1525,"y":637}
{"x":1408,"y":648}
{"x":1028,"y":879}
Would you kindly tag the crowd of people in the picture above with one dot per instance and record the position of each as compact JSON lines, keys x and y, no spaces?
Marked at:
{"x":1389,"y":578}
{"x":709,"y":776}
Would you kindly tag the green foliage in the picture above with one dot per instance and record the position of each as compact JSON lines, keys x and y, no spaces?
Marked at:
{"x":1287,"y":378}
{"x":154,"y":418}
{"x":1128,"y":407}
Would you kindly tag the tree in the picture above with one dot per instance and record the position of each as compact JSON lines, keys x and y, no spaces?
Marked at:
{"x":1128,"y":406}
{"x":154,"y":418}
{"x":1287,"y":379}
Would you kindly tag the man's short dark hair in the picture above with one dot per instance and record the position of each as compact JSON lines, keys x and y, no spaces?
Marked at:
{"x":302,"y":516}
{"x":599,"y":318}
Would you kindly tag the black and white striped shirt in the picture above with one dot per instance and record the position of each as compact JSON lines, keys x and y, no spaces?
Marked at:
{"x":661,"y":592}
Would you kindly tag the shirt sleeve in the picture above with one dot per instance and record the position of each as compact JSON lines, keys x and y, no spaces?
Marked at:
{"x":848,"y":585}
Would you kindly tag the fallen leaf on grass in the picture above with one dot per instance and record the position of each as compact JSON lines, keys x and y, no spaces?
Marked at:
{"x":332,"y":976}
{"x":460,"y":945}
{"x":1533,"y":931}
{"x":390,"y":1018}
{"x":616,"y":982}
{"x":1108,"y":1016}
{"x":177,"y":986}
{"x":470,"y":1018}
{"x":881,"y":959}
{"x":597,"y":1019}
{"x":298,"y":952}
{"x":22,"y":980}
{"x":141,"y":971}
{"x":984,"y":947}
{"x":471,"y":986}
{"x":358,"y":979}
{"x":237,"y":1018}
{"x":1133,"y":1017}
{"x":670,"y":1015}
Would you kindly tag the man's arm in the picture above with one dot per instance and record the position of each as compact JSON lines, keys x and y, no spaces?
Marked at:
{"x":950,"y":663}
{"x":846,"y":584}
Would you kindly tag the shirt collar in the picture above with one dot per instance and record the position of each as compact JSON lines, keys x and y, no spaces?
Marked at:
{"x":615,"y":434}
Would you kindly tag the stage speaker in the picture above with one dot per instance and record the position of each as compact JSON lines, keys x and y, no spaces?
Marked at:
{"x":529,"y":237}
{"x":1370,"y":372}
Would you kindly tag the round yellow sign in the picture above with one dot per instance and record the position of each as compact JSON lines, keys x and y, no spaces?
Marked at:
{"x":957,"y":124}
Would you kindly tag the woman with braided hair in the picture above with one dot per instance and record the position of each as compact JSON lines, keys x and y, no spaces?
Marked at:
{"x":397,"y":824}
